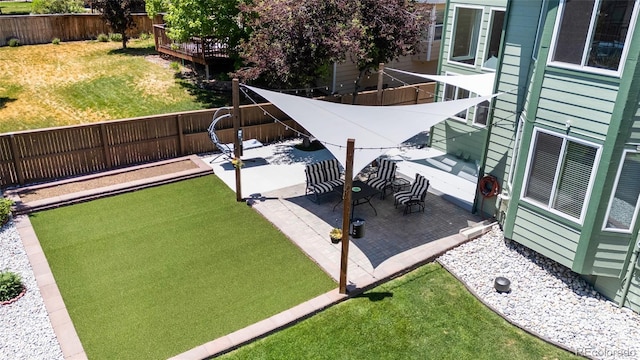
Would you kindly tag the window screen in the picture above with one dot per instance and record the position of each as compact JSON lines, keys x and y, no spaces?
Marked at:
{"x":623,"y":207}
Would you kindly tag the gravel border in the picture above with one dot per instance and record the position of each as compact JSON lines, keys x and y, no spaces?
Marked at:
{"x":546,"y":299}
{"x":25,"y":327}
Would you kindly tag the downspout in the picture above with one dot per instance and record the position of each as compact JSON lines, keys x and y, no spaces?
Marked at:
{"x":631,"y":268}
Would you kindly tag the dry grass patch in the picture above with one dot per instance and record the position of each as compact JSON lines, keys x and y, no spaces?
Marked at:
{"x":84,"y":82}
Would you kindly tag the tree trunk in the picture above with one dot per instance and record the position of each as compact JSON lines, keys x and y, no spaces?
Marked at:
{"x":124,"y":40}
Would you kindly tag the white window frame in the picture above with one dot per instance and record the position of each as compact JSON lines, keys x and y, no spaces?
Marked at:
{"x":541,"y":20}
{"x":475,"y":114}
{"x":477,"y":35}
{"x":456,"y":90}
{"x":613,"y":194}
{"x":492,"y":13}
{"x":548,"y":206}
{"x":516,"y":149}
{"x":584,"y":67}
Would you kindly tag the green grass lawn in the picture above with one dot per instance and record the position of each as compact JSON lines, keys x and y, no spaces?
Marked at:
{"x":15,"y":7}
{"x":426,"y":314}
{"x":88,"y":81}
{"x":153,"y":273}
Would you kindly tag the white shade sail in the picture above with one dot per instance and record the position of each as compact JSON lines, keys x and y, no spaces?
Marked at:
{"x":376,"y":129}
{"x":481,"y":84}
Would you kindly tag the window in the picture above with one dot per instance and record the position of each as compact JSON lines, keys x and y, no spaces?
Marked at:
{"x":482,"y":113}
{"x":541,"y":21}
{"x":466,"y":30}
{"x":593,"y":34}
{"x":559,"y":174}
{"x":623,"y":206}
{"x":454,"y":93}
{"x":493,"y":39}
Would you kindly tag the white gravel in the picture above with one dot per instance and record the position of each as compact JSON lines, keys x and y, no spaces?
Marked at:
{"x":546,"y":298}
{"x":25,"y":328}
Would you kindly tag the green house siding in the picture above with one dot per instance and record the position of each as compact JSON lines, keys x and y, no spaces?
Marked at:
{"x":513,"y":78}
{"x":634,"y":137}
{"x":601,"y":110}
{"x":545,"y":236}
{"x":609,"y":286}
{"x":454,"y":136}
{"x":587,"y":105}
{"x":612,"y":288}
{"x":610,"y":255}
{"x":633,"y":297}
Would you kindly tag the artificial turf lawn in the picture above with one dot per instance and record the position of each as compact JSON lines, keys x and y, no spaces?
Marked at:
{"x":153,"y":273}
{"x":426,"y":314}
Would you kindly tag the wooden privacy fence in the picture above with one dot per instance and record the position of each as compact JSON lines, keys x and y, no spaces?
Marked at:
{"x":42,"y":29}
{"x":47,"y":154}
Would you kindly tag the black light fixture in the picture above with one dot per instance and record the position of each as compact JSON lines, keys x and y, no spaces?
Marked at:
{"x":502,"y":284}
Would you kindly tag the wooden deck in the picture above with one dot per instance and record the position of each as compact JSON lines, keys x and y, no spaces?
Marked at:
{"x":205,"y":51}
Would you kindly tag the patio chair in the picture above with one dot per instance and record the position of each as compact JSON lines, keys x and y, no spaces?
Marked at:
{"x":322,"y":178}
{"x":227,"y":150}
{"x":414,"y":197}
{"x":384,"y":177}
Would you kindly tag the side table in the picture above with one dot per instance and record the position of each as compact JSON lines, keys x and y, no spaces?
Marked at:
{"x":400,"y":184}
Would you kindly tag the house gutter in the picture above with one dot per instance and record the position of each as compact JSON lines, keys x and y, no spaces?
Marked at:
{"x":630,"y":269}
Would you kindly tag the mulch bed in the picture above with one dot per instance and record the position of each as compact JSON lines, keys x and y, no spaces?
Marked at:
{"x":29,"y":195}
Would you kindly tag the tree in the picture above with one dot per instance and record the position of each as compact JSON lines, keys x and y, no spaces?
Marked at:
{"x":393,"y":29}
{"x":200,"y":18}
{"x":117,"y":14}
{"x":293,"y":42}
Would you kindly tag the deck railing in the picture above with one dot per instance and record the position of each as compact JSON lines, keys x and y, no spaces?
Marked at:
{"x":199,"y":49}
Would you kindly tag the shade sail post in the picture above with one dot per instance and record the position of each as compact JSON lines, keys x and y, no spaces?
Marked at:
{"x":346,"y":215}
{"x":237,"y":141}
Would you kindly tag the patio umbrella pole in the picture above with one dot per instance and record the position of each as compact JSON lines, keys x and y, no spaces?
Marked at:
{"x":237,"y":142}
{"x":346,"y":212}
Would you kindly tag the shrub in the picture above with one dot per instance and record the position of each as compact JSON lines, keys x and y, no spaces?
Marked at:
{"x":103,"y":38}
{"x":55,"y":41}
{"x":5,"y":210}
{"x":175,"y":66}
{"x":14,"y":42}
{"x":145,"y":36}
{"x":10,"y":285}
{"x":115,"y":37}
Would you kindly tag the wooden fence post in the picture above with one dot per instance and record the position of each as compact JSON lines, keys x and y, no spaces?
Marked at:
{"x":17,"y":161}
{"x":105,"y":146}
{"x":180,"y":135}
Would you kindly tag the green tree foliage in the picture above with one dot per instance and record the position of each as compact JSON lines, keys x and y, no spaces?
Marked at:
{"x":56,"y":6}
{"x":200,"y":18}
{"x":118,"y":15}
{"x":294,"y":41}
